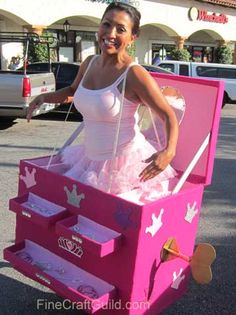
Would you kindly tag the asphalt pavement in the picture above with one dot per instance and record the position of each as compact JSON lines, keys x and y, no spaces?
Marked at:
{"x":19,"y":295}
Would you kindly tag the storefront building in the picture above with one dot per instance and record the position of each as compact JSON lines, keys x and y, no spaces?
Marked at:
{"x":199,"y":26}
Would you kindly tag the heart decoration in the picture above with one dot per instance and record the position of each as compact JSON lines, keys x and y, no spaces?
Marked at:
{"x":70,"y":245}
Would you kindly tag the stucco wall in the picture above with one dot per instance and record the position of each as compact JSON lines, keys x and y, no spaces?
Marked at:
{"x":173,"y":14}
{"x":162,"y":20}
{"x":46,"y":12}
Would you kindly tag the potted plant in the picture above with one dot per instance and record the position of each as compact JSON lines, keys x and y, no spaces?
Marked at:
{"x":223,"y":54}
{"x":39,"y":52}
{"x":180,"y":54}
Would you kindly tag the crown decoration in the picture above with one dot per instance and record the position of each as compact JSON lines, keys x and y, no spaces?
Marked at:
{"x":156,"y":224}
{"x":29,"y":177}
{"x":191,"y":212}
{"x":72,"y":196}
{"x":177,"y":279}
{"x":70,"y":246}
{"x":133,"y":3}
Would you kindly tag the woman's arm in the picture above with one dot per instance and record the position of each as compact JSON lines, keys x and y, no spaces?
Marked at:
{"x":148,"y":92}
{"x":59,"y":96}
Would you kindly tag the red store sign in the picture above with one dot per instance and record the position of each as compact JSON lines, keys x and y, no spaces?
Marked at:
{"x":203,"y":15}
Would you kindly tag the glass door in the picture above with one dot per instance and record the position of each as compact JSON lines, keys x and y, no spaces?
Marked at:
{"x":161,"y":52}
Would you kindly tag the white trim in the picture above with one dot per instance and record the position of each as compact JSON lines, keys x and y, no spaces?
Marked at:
{"x":201,"y":44}
{"x":191,"y":164}
{"x":74,"y":28}
{"x":162,"y":42}
{"x":150,"y":51}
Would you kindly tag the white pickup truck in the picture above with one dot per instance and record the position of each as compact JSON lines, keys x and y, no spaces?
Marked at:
{"x":213,"y":71}
{"x":18,"y":89}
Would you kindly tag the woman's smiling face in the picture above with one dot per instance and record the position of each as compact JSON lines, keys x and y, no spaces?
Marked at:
{"x":115,"y":32}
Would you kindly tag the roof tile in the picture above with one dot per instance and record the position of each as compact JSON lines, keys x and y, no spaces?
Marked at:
{"x":225,"y":3}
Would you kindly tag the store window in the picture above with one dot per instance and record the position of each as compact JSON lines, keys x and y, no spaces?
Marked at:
{"x":66,"y":39}
{"x":161,"y":52}
{"x":208,"y":54}
{"x":75,"y":46}
{"x":66,"y":46}
{"x":201,"y":53}
{"x":85,"y":45}
{"x":197,"y":54}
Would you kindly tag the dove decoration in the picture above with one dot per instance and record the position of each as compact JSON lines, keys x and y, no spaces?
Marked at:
{"x":156,"y":224}
{"x":191,"y":212}
{"x":177,"y":279}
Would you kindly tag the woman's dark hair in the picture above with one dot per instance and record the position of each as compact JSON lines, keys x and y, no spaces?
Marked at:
{"x":132,"y":11}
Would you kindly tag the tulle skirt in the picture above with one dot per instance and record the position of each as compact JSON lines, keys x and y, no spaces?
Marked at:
{"x":119,"y":176}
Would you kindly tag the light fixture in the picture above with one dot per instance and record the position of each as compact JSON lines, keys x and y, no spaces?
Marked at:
{"x":66,"y":26}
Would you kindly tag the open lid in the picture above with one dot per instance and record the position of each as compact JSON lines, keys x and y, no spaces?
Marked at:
{"x":203,"y":102}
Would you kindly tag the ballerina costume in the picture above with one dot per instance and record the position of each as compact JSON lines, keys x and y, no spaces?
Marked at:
{"x":94,"y":162}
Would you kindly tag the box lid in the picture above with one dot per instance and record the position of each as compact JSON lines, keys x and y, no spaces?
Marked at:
{"x":203,"y":99}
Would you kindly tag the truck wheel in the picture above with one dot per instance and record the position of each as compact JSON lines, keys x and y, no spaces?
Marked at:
{"x":7,"y":119}
{"x":225,"y":99}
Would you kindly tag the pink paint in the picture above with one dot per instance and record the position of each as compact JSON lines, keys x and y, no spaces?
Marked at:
{"x":116,"y":249}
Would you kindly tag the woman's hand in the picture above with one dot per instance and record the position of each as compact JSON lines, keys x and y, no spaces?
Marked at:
{"x":158,"y":162}
{"x":36,"y":103}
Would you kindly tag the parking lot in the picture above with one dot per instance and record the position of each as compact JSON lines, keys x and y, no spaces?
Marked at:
{"x":217,"y":224}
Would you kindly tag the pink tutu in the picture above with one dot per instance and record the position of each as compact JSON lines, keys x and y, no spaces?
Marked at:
{"x":110,"y":120}
{"x":125,"y":172}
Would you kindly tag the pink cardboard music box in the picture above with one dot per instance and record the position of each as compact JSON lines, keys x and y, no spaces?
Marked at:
{"x":103,"y":251}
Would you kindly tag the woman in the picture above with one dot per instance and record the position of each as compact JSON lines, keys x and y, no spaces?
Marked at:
{"x":97,"y":92}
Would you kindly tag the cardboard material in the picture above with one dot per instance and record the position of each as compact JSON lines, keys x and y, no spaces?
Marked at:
{"x":142,"y":282}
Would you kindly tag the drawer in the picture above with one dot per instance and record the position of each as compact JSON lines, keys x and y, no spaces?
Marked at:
{"x":61,"y":276}
{"x":37,"y":209}
{"x":93,"y":237}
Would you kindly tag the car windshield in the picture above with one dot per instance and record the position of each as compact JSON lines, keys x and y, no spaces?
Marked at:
{"x":37,"y":67}
{"x":151,"y":68}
